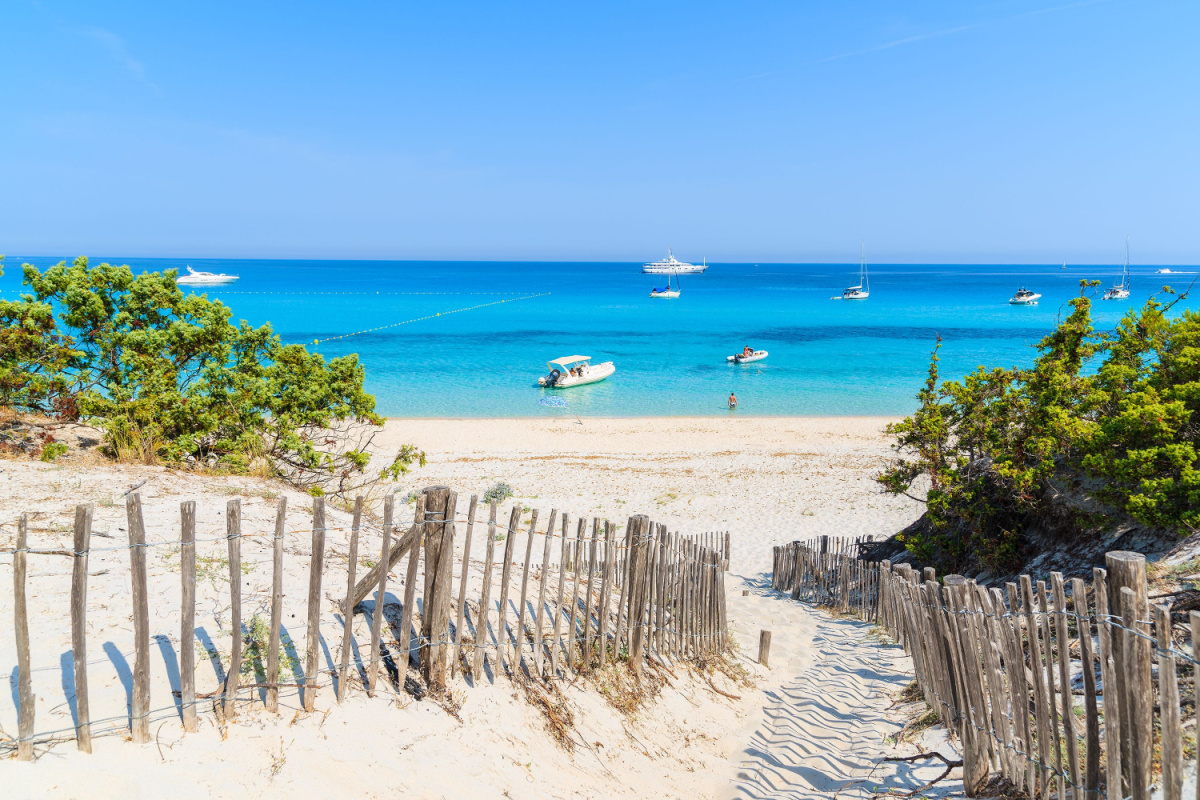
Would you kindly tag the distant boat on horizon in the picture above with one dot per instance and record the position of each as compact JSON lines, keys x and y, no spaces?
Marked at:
{"x":1121,"y":290}
{"x":667,"y":291}
{"x":863,"y":290}
{"x":670,"y":264}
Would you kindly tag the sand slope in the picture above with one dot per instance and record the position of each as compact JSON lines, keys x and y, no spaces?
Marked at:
{"x":764,"y":480}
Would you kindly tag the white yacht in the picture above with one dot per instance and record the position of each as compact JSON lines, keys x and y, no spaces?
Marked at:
{"x":571,"y":371}
{"x":1121,"y":290}
{"x":670,"y":264}
{"x":198,"y":278}
{"x":667,"y":291}
{"x":1024,"y":297}
{"x":863,"y":290}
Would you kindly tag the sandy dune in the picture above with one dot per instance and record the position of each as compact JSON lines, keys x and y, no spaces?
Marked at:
{"x":811,"y":721}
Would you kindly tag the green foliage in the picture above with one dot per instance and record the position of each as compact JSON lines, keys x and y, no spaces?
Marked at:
{"x":1120,"y":408}
{"x":498,"y":493}
{"x":53,"y":450}
{"x":170,"y":378}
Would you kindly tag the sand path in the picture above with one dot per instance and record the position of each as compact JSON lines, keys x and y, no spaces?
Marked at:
{"x":828,"y":694}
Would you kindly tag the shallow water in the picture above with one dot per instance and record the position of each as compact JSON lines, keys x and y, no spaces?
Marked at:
{"x":827,"y":357}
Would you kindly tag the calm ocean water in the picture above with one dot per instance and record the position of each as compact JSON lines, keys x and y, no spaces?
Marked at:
{"x":827,"y":357}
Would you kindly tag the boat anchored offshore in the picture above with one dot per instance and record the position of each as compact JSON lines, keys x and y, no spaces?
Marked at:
{"x":863,"y":290}
{"x":571,"y":371}
{"x":746,"y":356}
{"x":667,"y":291}
{"x":1024,"y":297}
{"x":198,"y":278}
{"x":671,"y":265}
{"x":1121,"y":290}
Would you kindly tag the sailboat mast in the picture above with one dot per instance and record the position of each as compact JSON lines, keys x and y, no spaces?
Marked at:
{"x":863,"y":278}
{"x":1125,"y":270}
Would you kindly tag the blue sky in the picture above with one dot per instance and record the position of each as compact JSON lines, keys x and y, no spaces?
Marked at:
{"x":1004,"y":131}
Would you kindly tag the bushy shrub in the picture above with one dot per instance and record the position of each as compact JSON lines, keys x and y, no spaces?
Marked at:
{"x":1120,"y":408}
{"x":498,"y":493}
{"x":170,"y":378}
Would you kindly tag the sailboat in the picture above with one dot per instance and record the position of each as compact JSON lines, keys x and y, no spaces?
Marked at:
{"x":667,"y":291}
{"x":863,"y":290}
{"x":1121,"y":290}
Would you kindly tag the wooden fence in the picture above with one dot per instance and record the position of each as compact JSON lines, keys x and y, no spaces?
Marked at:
{"x":584,"y":601}
{"x":1064,"y":689}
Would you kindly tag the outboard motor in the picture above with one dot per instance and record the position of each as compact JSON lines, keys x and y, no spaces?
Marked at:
{"x":552,"y":380}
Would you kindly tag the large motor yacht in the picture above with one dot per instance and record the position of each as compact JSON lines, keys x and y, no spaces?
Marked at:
{"x":199,"y":278}
{"x":671,"y":265}
{"x":1024,"y":297}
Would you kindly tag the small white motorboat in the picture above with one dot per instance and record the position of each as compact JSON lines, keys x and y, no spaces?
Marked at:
{"x":199,"y":278}
{"x":1121,"y":290}
{"x":1164,"y":271}
{"x":571,"y":371}
{"x":667,"y":291}
{"x":1024,"y":297}
{"x":744,"y":358}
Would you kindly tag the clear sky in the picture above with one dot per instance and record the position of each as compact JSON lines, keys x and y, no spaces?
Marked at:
{"x":1002,"y":131}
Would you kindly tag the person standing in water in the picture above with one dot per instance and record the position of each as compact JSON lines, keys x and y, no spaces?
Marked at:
{"x":732,"y":401}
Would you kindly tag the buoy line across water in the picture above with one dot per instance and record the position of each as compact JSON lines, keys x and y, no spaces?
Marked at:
{"x":429,"y":316}
{"x":217,"y":290}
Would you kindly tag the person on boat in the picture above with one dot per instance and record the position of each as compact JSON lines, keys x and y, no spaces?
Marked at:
{"x":747,"y":351}
{"x":732,"y":401}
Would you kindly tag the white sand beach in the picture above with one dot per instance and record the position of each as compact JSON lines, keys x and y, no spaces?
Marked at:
{"x":811,"y":722}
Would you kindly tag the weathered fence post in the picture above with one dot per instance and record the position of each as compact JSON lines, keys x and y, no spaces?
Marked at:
{"x":233,"y":539}
{"x":764,"y":648}
{"x":485,"y":597}
{"x":348,"y":605}
{"x":640,"y":525}
{"x":1168,"y":698}
{"x":559,"y":607}
{"x":1108,"y":679}
{"x":25,"y":700}
{"x":276,"y":602}
{"x":139,"y":722}
{"x":461,"y":608}
{"x":187,"y":627}
{"x":79,"y":575}
{"x":313,"y":640}
{"x":410,"y":587}
{"x":502,"y":629}
{"x":380,"y":596}
{"x":1127,"y":570}
{"x":439,"y":579}
{"x":539,"y":640}
{"x":519,"y":655}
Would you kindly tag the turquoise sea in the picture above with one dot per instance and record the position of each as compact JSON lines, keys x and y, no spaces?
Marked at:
{"x":481,"y":357}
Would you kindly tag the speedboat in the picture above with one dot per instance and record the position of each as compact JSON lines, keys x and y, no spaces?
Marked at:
{"x":741,"y":358}
{"x":670,"y":265}
{"x":1163,"y":271}
{"x":571,"y":371}
{"x":199,"y":278}
{"x":667,"y":291}
{"x":1024,"y":297}
{"x":863,"y":290}
{"x":1121,"y":290}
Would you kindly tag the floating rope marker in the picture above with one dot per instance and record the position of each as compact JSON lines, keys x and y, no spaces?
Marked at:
{"x":428,"y":316}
